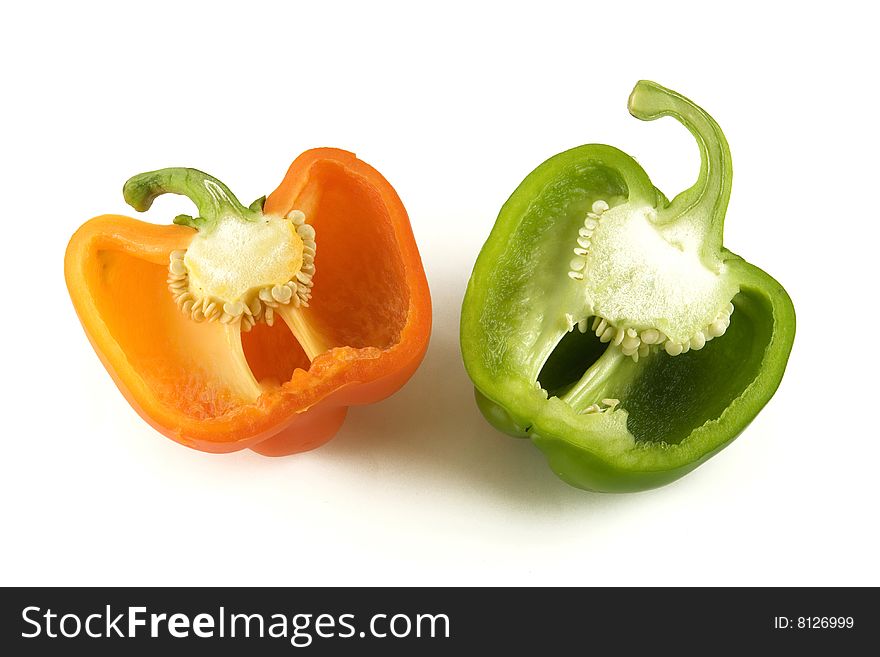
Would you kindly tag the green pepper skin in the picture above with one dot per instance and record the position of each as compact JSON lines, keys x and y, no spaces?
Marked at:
{"x":678,"y":411}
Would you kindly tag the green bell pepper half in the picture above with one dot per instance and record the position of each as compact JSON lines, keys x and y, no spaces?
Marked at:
{"x":611,"y":327}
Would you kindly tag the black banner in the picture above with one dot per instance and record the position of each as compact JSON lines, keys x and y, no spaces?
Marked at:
{"x":278,"y":621}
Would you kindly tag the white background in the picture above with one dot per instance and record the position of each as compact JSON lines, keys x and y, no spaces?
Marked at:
{"x":454,"y":104}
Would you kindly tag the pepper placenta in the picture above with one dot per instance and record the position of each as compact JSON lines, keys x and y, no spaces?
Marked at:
{"x":611,"y":326}
{"x":255,"y":327}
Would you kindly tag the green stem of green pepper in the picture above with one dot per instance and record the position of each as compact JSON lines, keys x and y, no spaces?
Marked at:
{"x":695,"y":216}
{"x":213,"y":199}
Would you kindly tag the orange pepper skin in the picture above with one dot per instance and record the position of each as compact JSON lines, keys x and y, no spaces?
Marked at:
{"x":370,"y":303}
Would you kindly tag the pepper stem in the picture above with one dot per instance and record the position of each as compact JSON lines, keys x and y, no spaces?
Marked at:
{"x":697,"y":214}
{"x":213,"y":199}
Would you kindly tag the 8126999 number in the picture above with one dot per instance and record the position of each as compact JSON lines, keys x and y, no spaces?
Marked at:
{"x":824,"y":622}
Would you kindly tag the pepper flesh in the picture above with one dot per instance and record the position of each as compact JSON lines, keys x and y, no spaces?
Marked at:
{"x":587,"y":244}
{"x":212,"y":387}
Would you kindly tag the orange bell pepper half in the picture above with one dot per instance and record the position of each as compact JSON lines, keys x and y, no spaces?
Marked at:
{"x":255,"y":327}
